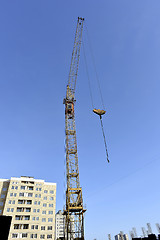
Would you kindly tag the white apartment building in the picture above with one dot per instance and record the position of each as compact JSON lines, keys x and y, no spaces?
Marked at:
{"x":31,"y":203}
{"x":59,"y":225}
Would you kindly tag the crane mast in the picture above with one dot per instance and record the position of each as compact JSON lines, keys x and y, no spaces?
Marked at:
{"x":73,"y":210}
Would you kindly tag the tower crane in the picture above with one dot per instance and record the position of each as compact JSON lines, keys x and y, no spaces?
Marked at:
{"x":73,"y":210}
{"x":158,"y":227}
{"x":149,"y":228}
{"x":144,"y":232}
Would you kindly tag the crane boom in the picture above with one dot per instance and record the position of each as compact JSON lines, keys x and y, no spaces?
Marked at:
{"x":73,"y":210}
{"x":75,"y":61}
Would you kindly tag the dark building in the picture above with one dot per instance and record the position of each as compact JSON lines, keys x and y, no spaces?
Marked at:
{"x":150,"y":237}
{"x":5,"y":222}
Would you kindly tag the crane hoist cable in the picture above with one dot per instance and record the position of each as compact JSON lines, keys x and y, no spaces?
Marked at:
{"x":94,"y":65}
{"x":104,"y":138}
{"x":96,"y":111}
{"x":89,"y":83}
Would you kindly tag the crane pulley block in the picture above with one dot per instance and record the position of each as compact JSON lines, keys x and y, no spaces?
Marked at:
{"x":99,"y":112}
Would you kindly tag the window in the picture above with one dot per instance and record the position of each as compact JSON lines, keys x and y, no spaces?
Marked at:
{"x":42,"y":227}
{"x":36,"y":189}
{"x":50,"y":219}
{"x":43,"y":219}
{"x":30,"y":188}
{"x":25,"y":182}
{"x":2,"y":195}
{"x":51,"y":192}
{"x":49,"y":227}
{"x":50,"y":205}
{"x":18,"y":217}
{"x":12,"y":187}
{"x":43,"y":212}
{"x":33,"y":218}
{"x":16,"y":226}
{"x":39,"y":195}
{"x":9,"y":202}
{"x":0,"y":211}
{"x":49,"y":236}
{"x":30,"y":194}
{"x":50,"y":212}
{"x":23,"y":187}
{"x":8,"y":209}
{"x":69,"y":106}
{"x":1,"y":203}
{"x":29,"y":201}
{"x":21,"y":194}
{"x":44,"y":205}
{"x":36,"y":210}
{"x":28,"y":209}
{"x":4,"y":189}
{"x":25,"y":226}
{"x":14,"y":235}
{"x":20,"y":202}
{"x":40,"y":189}
{"x":42,"y":236}
{"x":11,"y":194}
{"x":24,"y":235}
{"x":26,"y":217}
{"x":32,"y":227}
{"x":33,"y":235}
{"x":45,"y":191}
{"x":16,"y":187}
{"x":12,"y":209}
{"x":39,"y":203}
{"x":15,"y":194}
{"x":37,"y":218}
{"x":36,"y":195}
{"x":19,"y":209}
{"x":35,"y":203}
{"x":13,"y":202}
{"x":45,"y":198}
{"x":36,"y":226}
{"x":51,"y":198}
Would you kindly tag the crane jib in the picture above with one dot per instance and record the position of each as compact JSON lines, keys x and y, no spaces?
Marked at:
{"x":75,"y":59}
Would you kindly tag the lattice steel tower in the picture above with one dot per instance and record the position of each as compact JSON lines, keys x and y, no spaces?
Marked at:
{"x":73,"y":210}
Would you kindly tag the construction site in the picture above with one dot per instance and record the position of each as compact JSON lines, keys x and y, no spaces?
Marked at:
{"x":80,"y":100}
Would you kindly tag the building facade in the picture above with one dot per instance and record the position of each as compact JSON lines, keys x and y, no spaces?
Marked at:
{"x":121,"y":236}
{"x":31,"y":204}
{"x":59,"y":225}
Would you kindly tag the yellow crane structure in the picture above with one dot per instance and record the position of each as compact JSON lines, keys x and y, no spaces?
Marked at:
{"x":73,"y":209}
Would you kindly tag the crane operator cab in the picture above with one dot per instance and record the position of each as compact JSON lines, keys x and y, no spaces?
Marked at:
{"x":69,"y":109}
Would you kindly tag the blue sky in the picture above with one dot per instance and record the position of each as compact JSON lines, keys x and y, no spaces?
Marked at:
{"x":35,"y":51}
